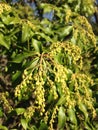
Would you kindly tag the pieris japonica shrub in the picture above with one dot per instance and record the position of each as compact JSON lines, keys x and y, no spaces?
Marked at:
{"x":45,"y":69}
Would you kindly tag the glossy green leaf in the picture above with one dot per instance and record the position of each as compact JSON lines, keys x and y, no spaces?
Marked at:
{"x":1,"y":25}
{"x":62,"y":100}
{"x":10,"y":20}
{"x":87,"y":127}
{"x":20,"y":57}
{"x":58,"y":58}
{"x":47,"y":30}
{"x":20,"y":111}
{"x":25,"y":32}
{"x":14,"y":31}
{"x":83,"y":108}
{"x":24,"y":124}
{"x":4,"y":42}
{"x":37,"y":45}
{"x":46,"y":37}
{"x":72,"y":116}
{"x":65,"y":31}
{"x":33,"y":63}
{"x":33,"y":127}
{"x":3,"y":127}
{"x":59,"y":89}
{"x":61,"y":118}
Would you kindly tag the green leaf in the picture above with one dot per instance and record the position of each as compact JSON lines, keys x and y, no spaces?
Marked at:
{"x":1,"y":112}
{"x":20,"y":111}
{"x":87,"y":127}
{"x":83,"y":108}
{"x":59,"y":58}
{"x":62,"y":100}
{"x":43,"y":126}
{"x":25,"y":32}
{"x":47,"y":31}
{"x":37,"y":45}
{"x":46,"y":37}
{"x":3,"y":127}
{"x":20,"y":57}
{"x":33,"y":64}
{"x":50,"y":97}
{"x":14,"y":31}
{"x":1,"y":25}
{"x":33,"y":127}
{"x":24,"y":123}
{"x":65,"y":31}
{"x":72,"y":116}
{"x":10,"y":20}
{"x":59,"y":89}
{"x":61,"y":118}
{"x":4,"y":42}
{"x":16,"y":75}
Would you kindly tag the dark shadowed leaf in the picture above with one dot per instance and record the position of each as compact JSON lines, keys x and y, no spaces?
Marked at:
{"x":43,"y":126}
{"x":20,"y":57}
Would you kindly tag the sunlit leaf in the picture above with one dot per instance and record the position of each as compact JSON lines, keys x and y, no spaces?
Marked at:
{"x":65,"y":31}
{"x":33,"y":63}
{"x":4,"y":42}
{"x":87,"y":126}
{"x":10,"y":20}
{"x":37,"y":45}
{"x":3,"y":127}
{"x":46,"y":37}
{"x":61,"y":118}
{"x":83,"y":108}
{"x":24,"y":123}
{"x":25,"y":32}
{"x":72,"y":116}
{"x":20,"y":111}
{"x":62,"y":100}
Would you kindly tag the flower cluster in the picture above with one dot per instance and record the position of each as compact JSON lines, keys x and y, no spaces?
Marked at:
{"x":80,"y":85}
{"x":4,"y":100}
{"x":28,"y":114}
{"x":4,"y":7}
{"x":54,"y":115}
{"x":66,"y":54}
{"x":39,"y":93}
{"x":83,"y":35}
{"x":24,"y":90}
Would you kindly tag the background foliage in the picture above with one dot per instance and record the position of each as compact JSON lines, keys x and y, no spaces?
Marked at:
{"x":48,"y":65}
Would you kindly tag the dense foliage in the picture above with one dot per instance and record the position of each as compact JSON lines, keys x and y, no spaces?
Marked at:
{"x":47,"y":78}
